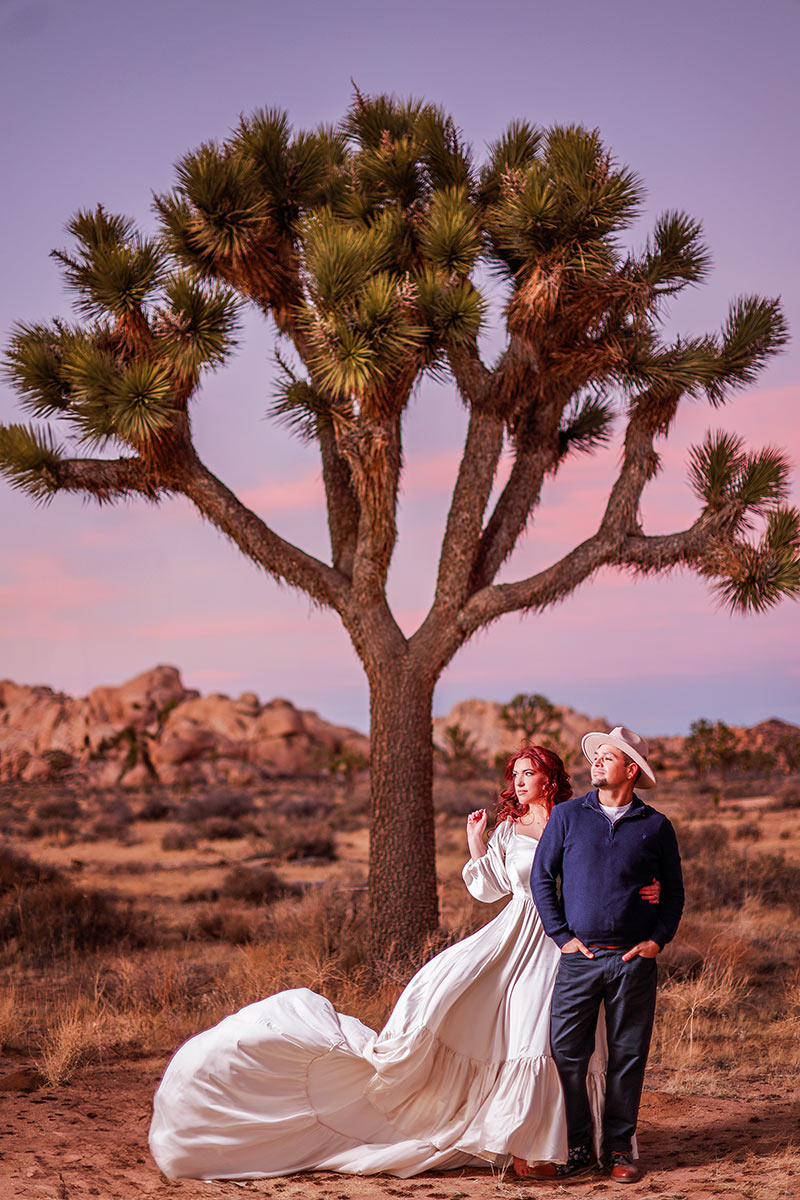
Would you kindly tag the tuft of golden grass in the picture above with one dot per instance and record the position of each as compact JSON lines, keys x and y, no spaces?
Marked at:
{"x":74,"y":1038}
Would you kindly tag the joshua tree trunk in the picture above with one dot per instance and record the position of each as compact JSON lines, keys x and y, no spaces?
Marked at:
{"x":403,"y":897}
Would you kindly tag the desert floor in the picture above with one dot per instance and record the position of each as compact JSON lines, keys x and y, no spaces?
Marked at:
{"x":720,"y":1114}
{"x":88,"y":1138}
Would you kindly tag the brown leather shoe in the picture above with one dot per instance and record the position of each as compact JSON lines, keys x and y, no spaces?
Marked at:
{"x":622,"y":1168}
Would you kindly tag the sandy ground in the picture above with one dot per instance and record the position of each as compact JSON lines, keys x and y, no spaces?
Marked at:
{"x":88,"y":1138}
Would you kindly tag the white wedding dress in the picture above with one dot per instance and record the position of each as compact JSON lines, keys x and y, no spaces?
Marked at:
{"x":461,"y":1074}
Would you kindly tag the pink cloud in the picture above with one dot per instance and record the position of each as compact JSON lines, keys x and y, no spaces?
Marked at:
{"x":223,"y":625}
{"x":302,"y":493}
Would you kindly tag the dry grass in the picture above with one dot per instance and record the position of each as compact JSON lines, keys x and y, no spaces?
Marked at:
{"x":729,"y":1004}
{"x":76,"y":1036}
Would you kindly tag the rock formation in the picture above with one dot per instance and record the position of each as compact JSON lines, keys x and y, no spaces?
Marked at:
{"x":153,"y":729}
{"x":482,"y":721}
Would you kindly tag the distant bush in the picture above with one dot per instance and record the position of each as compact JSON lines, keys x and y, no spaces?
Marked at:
{"x":58,"y":808}
{"x":220,"y":925}
{"x":255,"y":885}
{"x":304,"y":808}
{"x":179,"y":839}
{"x":155,"y":808}
{"x":222,"y":803}
{"x":44,"y":915}
{"x":749,"y":832}
{"x":716,"y":874}
{"x":224,"y":829}
{"x":293,"y":840}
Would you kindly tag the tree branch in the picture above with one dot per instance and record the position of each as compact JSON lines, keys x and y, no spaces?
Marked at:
{"x":642,"y":553}
{"x":341,"y":501}
{"x":471,"y":493}
{"x":105,"y":478}
{"x":281,"y":559}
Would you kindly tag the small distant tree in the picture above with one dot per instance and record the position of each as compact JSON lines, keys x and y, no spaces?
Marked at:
{"x":460,"y":753}
{"x":535,"y":719}
{"x":346,"y":764}
{"x":366,"y":246}
{"x":714,"y":746}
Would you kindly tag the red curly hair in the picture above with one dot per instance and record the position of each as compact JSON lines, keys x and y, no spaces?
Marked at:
{"x":557,"y":786}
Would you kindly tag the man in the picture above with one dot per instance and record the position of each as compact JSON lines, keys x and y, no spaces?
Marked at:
{"x":595,"y":854}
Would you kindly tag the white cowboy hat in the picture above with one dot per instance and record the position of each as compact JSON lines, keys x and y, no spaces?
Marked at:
{"x":630,"y":743}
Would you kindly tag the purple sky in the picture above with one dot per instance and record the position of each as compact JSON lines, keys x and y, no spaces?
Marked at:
{"x":101,"y":98}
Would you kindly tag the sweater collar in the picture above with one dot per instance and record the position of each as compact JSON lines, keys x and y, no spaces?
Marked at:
{"x":592,"y":800}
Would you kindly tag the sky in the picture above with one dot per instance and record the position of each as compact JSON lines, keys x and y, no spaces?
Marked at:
{"x":100,"y":100}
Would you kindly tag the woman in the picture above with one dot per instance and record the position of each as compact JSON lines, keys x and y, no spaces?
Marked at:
{"x":460,"y":1075}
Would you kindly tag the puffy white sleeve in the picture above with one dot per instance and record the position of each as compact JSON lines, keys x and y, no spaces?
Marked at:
{"x":486,"y":877}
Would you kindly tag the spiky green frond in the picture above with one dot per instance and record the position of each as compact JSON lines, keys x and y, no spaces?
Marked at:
{"x":296,"y":174}
{"x":451,"y":237}
{"x":602,"y":196}
{"x":723,"y":472}
{"x":754,"y":331}
{"x":139,"y":404}
{"x":178,"y":233}
{"x":371,"y":120}
{"x":446,"y":157}
{"x":676,"y":255}
{"x":757,"y":577}
{"x":95,"y":228}
{"x":34,"y":366}
{"x":115,"y":271}
{"x":453,"y":311}
{"x":566,"y":207}
{"x":227,"y":204}
{"x":690,"y":366}
{"x":764,"y":479}
{"x":296,"y":405}
{"x":509,"y":158}
{"x":29,"y":458}
{"x":339,"y":257}
{"x":586,"y":424}
{"x":714,"y":467}
{"x":197,"y":325}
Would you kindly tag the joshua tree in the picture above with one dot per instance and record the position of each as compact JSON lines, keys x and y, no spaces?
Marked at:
{"x":533,"y":716}
{"x":367,"y":246}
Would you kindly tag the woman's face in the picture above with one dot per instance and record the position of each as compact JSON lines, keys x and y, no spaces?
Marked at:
{"x":528,"y":781}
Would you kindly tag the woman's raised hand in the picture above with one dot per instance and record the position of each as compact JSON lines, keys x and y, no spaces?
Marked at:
{"x":476,"y":827}
{"x":476,"y":822}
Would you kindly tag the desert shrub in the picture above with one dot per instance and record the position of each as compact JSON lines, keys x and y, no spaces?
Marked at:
{"x":228,"y":804}
{"x":200,"y":895}
{"x":731,"y":877}
{"x":155,"y":808}
{"x":704,"y":839}
{"x":304,"y":808}
{"x":787,"y":796}
{"x":219,"y":924}
{"x":750,"y":832}
{"x":291,"y":840}
{"x":58,"y":808}
{"x":255,"y":885}
{"x":44,"y":915}
{"x":59,"y":760}
{"x":224,"y":829}
{"x":179,"y":839}
{"x":328,"y":922}
{"x":106,"y":828}
{"x":18,"y":870}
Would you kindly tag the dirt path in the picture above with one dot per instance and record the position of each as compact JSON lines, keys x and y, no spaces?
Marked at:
{"x":88,"y":1139}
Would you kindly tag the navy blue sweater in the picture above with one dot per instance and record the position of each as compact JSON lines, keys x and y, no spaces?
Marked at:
{"x":587,"y":873}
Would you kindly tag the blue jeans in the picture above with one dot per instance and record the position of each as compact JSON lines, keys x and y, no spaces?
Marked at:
{"x":628,"y":990}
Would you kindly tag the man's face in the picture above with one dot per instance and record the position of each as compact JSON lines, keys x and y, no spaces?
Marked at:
{"x":609,"y":769}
